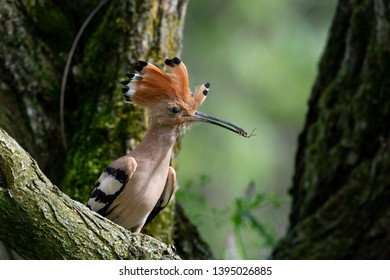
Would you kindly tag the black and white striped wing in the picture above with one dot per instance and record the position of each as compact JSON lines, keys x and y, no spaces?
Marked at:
{"x":109,"y":185}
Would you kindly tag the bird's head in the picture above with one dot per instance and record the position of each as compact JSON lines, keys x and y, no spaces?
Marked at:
{"x":168,"y":97}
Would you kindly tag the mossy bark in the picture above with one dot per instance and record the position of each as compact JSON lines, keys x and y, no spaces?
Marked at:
{"x":36,"y":39}
{"x":41,"y":222}
{"x":341,"y":186}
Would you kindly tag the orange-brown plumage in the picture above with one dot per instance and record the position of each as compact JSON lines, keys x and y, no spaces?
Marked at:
{"x":151,"y":86}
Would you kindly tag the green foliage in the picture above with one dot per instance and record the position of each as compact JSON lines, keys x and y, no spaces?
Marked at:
{"x":241,"y":216}
{"x":244,"y":217}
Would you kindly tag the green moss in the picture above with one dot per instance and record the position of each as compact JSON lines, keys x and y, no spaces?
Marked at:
{"x":103,"y":121}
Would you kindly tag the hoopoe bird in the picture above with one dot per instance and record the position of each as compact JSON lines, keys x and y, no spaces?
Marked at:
{"x":134,"y":188}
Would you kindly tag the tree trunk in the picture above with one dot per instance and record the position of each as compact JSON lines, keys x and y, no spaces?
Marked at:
{"x":96,"y":126}
{"x":341,"y":186}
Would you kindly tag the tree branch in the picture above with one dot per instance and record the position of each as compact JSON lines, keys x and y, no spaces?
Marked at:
{"x":40,"y":222}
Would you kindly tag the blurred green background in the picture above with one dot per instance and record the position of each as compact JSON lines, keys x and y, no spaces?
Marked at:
{"x":260,"y":57}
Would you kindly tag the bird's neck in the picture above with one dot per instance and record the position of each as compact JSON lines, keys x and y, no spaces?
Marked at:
{"x":157,"y":142}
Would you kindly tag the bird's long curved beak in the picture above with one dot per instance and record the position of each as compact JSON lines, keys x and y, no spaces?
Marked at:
{"x":202,"y":117}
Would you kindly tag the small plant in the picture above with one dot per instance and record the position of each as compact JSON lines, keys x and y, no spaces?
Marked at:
{"x":243,"y":213}
{"x":244,"y":218}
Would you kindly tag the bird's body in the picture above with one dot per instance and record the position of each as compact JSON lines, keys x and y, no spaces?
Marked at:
{"x":136,"y":187}
{"x":146,"y":170}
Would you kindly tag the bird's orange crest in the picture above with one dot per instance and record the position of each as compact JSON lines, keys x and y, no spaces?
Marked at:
{"x":150,"y":85}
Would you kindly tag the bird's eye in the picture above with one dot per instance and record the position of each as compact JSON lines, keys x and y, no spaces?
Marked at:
{"x":174,"y":110}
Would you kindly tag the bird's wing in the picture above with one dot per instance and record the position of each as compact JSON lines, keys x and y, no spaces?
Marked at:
{"x":165,"y":196}
{"x":111,"y":183}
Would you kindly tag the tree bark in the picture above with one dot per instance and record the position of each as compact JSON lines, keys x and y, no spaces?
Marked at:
{"x":341,"y":186}
{"x":37,"y":37}
{"x":40,"y":222}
